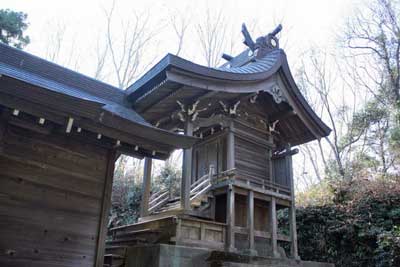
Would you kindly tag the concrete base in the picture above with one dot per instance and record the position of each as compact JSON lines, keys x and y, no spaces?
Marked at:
{"x":162,"y":255}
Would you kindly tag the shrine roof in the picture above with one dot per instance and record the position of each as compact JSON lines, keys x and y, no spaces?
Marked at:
{"x":260,"y":68}
{"x":57,"y":82}
{"x":255,"y":69}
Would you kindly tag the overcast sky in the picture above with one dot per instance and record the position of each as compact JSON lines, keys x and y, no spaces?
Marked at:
{"x":305,"y":23}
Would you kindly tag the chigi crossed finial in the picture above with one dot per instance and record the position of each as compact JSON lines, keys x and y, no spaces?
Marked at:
{"x":267,"y":42}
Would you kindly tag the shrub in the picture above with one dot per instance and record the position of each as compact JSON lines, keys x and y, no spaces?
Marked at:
{"x":361,"y":230}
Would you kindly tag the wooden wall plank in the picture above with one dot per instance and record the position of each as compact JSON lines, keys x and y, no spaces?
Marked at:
{"x":2,"y":132}
{"x":51,"y":189}
{"x":46,"y":176}
{"x":251,"y":160}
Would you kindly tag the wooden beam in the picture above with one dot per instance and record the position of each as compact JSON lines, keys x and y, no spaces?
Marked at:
{"x":69,"y":125}
{"x":230,"y":219}
{"x":143,"y":109}
{"x":256,"y":189}
{"x":105,"y":208}
{"x":29,"y":125}
{"x":173,"y":115}
{"x":273,"y":227}
{"x":281,"y":115}
{"x":59,"y":117}
{"x":286,"y":153}
{"x":186,"y":169}
{"x":208,"y":122}
{"x":144,"y":204}
{"x":236,"y":87}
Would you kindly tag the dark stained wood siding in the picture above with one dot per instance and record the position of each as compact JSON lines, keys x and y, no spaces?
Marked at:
{"x":251,"y":152}
{"x":51,"y":189}
{"x":281,"y":176}
{"x":261,"y":220}
{"x":240,"y":210}
{"x":209,"y":152}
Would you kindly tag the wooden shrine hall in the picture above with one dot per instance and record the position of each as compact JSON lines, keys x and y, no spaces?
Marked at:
{"x":248,"y":114}
{"x":61,"y":133}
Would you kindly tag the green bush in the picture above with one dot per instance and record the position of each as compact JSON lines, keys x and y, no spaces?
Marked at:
{"x":363,"y":230}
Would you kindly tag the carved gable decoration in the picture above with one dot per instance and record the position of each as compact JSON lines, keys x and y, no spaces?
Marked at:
{"x":276,"y":92}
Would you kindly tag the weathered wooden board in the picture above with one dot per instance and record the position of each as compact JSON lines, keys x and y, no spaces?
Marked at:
{"x":201,"y":232}
{"x":251,"y":151}
{"x":261,"y":222}
{"x":281,"y":173}
{"x":51,"y":195}
{"x":209,"y":152}
{"x":240,"y":211}
{"x":251,"y":160}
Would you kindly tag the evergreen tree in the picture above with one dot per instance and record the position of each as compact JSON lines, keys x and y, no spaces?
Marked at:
{"x":12,"y":27}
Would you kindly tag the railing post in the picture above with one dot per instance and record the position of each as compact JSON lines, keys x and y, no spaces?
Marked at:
{"x":211,"y":173}
{"x":144,"y":204}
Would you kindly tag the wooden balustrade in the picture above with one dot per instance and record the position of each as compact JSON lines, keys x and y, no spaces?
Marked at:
{"x":198,"y":188}
{"x":252,"y":182}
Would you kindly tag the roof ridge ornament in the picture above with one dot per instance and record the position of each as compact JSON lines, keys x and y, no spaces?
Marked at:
{"x":258,"y":49}
{"x":269,"y":41}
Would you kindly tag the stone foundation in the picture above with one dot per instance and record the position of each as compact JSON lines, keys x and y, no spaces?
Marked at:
{"x":162,"y":255}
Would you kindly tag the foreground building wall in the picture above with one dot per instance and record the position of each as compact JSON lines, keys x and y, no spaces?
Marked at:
{"x":51,"y":199}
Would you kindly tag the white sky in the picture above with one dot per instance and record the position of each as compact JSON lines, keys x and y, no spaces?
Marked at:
{"x":305,"y":23}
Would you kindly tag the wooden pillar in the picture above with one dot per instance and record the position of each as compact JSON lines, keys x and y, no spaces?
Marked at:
{"x":273,"y":227}
{"x":292,"y":211}
{"x":250,"y":221}
{"x":230,"y":158}
{"x":269,"y":160}
{"x":230,"y":218}
{"x":105,"y":208}
{"x":144,"y":204}
{"x":186,"y":169}
{"x":293,"y":232}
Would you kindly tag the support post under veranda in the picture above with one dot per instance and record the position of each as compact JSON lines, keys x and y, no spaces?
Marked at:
{"x":144,"y":204}
{"x":186,"y":168}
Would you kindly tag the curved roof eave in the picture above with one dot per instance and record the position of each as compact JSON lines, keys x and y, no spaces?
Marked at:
{"x":158,"y":74}
{"x":127,"y":119}
{"x":322,"y":129}
{"x":172,"y":139}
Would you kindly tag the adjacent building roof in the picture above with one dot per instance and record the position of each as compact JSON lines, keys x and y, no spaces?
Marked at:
{"x":49,"y":84}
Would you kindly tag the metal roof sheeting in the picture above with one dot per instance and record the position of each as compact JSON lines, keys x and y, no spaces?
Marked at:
{"x":255,"y":65}
{"x":25,"y":67}
{"x":54,"y":79}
